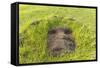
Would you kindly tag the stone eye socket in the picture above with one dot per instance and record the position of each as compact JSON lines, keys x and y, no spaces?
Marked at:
{"x":67,"y":31}
{"x":52,"y":32}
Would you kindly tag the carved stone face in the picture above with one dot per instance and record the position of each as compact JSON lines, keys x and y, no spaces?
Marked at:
{"x":60,"y":41}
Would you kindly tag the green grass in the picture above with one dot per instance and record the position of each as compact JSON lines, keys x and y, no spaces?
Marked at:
{"x":34,"y":22}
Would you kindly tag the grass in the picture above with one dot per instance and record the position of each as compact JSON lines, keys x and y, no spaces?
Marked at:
{"x":34,"y":22}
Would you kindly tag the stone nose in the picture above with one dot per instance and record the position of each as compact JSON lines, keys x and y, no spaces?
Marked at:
{"x":60,"y":35}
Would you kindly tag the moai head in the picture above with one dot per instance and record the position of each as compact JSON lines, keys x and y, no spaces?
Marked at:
{"x":60,"y":41}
